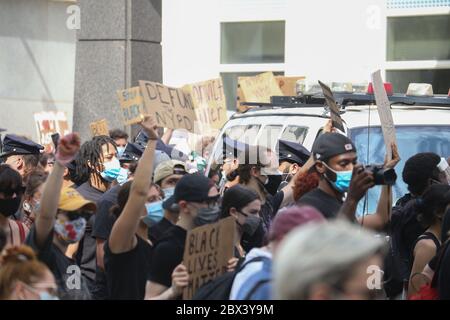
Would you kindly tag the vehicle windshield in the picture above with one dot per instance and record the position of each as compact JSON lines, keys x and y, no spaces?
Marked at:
{"x":410,"y":139}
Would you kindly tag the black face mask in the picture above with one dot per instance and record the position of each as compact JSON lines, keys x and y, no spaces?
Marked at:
{"x":273,"y":183}
{"x":9,"y":206}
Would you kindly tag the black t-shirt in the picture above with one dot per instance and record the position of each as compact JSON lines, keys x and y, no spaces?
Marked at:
{"x":328,"y":205}
{"x":444,"y":275}
{"x":86,"y":254}
{"x":71,"y":284}
{"x":167,"y":255}
{"x":157,"y":231}
{"x":104,"y":222}
{"x":270,"y":208}
{"x":127,"y":273}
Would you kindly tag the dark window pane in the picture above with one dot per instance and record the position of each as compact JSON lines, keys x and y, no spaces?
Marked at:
{"x":418,"y":38}
{"x":439,"y":78}
{"x":252,"y":42}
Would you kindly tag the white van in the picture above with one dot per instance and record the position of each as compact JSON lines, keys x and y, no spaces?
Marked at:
{"x":421,"y":127}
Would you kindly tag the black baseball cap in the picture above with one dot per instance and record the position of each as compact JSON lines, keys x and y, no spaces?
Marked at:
{"x":331,"y":144}
{"x":292,"y":152}
{"x":193,"y":188}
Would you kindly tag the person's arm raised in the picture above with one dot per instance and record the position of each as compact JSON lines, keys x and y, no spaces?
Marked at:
{"x":67,"y":148}
{"x":382,"y":216}
{"x":122,"y":238}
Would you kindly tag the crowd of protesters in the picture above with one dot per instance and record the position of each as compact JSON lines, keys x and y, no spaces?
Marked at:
{"x":108,"y":219}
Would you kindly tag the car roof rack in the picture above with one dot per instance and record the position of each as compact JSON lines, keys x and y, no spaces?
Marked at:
{"x":346,"y":99}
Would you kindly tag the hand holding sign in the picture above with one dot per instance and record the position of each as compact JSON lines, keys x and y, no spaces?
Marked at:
{"x":334,"y":109}
{"x":180,"y":280}
{"x":148,"y":123}
{"x":391,"y":163}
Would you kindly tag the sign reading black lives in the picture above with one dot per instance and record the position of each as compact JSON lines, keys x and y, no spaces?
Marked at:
{"x":206,"y":253}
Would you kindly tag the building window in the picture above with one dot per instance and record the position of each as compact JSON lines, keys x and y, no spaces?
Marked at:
{"x":418,"y":38}
{"x":418,"y":50}
{"x":248,"y":49}
{"x":438,"y":78}
{"x":252,"y":42}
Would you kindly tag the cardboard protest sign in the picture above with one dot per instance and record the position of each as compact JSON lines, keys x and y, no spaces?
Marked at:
{"x":132,"y":105}
{"x":384,"y":111}
{"x":287,"y":84}
{"x":171,"y":107}
{"x":99,"y":128}
{"x":259,"y":88}
{"x":334,"y":109}
{"x":209,"y":102}
{"x":206,"y":253}
{"x":48,"y":123}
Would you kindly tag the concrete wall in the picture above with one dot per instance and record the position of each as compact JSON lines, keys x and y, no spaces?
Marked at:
{"x":37,"y":62}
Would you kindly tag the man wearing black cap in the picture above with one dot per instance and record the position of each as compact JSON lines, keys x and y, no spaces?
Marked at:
{"x":20,"y":153}
{"x":336,"y":162}
{"x":197,"y":198}
{"x":291,"y":156}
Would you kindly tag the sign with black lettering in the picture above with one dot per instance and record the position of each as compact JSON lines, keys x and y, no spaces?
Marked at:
{"x":209,"y":102}
{"x":171,"y":107}
{"x":334,"y":109}
{"x":131,"y":104}
{"x":206,"y":253}
{"x":99,"y":128}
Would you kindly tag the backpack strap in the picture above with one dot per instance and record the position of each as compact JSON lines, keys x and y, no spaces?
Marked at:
{"x":14,"y":232}
{"x":424,"y":236}
{"x":21,"y":231}
{"x":255,"y":259}
{"x":256,"y":287}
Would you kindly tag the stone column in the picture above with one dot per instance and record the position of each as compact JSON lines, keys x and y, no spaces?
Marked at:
{"x":118,"y":44}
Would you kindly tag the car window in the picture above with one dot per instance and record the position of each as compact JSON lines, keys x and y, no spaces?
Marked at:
{"x":294,"y":134}
{"x":410,"y":139}
{"x":269,"y":136}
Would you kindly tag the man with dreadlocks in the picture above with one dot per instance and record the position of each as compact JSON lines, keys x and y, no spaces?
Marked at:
{"x":97,"y":166}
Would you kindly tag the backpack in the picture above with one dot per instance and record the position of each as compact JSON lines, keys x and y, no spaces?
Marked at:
{"x":404,"y":231}
{"x":220,"y":287}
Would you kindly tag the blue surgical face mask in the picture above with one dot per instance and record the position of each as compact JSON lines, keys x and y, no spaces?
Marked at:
{"x":123,"y":176}
{"x":343,"y":179}
{"x":44,"y":295}
{"x":168,"y":192}
{"x":120,"y":151}
{"x":112,"y":170}
{"x":155,"y":213}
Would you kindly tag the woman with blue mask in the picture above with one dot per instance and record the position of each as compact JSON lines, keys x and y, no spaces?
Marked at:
{"x":128,"y":251}
{"x":24,"y":277}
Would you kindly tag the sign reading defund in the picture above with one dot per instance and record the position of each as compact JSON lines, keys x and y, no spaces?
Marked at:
{"x":206,"y":253}
{"x":171,"y":107}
